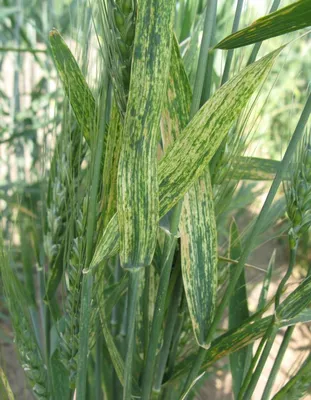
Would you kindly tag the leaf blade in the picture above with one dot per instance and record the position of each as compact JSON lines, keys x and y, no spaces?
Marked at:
{"x":287,"y":19}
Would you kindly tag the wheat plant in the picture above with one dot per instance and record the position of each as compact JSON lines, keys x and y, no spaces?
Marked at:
{"x":137,"y":254}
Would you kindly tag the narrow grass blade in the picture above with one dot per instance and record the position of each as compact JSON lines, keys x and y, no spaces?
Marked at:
{"x":288,"y":19}
{"x":266,"y":283}
{"x":299,"y":385}
{"x":179,"y":168}
{"x":137,"y":175}
{"x":238,"y":313}
{"x":5,"y":390}
{"x":25,"y":338}
{"x":199,"y":256}
{"x":76,"y":88}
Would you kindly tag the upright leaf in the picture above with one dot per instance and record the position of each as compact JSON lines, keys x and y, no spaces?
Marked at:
{"x":266,"y":283}
{"x":238,"y":313}
{"x":288,"y":19}
{"x":187,"y":158}
{"x":137,"y":176}
{"x":76,"y":88}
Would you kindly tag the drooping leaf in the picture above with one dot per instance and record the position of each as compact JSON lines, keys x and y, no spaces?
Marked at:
{"x":76,"y":88}
{"x":238,"y":313}
{"x":288,"y":19}
{"x":199,"y":256}
{"x":190,"y":154}
{"x":138,"y":196}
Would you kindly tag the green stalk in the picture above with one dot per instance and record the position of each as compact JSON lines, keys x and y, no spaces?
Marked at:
{"x":210,"y":20}
{"x":87,"y":279}
{"x":273,"y":328}
{"x":298,"y":133}
{"x":277,"y":362}
{"x":145,"y":308}
{"x":168,"y":255}
{"x":265,"y":354}
{"x":252,"y":366}
{"x":256,"y":48}
{"x":235,"y":27}
{"x":134,"y":280}
{"x":168,"y":333}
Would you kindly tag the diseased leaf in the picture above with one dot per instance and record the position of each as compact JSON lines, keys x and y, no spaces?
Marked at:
{"x":190,"y":154}
{"x":138,"y":196}
{"x":238,"y":313}
{"x":76,"y":88}
{"x":199,"y":256}
{"x":288,"y":19}
{"x":296,"y":301}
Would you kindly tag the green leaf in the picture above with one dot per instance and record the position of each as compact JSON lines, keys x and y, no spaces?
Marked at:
{"x":266,"y":283}
{"x":238,"y":313}
{"x":111,"y":162}
{"x":186,"y":159}
{"x":60,"y":377}
{"x":296,"y":301}
{"x":199,"y":256}
{"x":138,"y":196}
{"x":299,"y":385}
{"x":288,"y":19}
{"x":76,"y":88}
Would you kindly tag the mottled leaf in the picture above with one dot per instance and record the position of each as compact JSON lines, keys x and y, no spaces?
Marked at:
{"x":190,"y":154}
{"x":76,"y":88}
{"x":288,"y":19}
{"x":138,"y":195}
{"x":199,"y":256}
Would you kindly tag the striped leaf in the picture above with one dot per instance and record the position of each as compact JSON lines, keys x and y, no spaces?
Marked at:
{"x":199,"y":256}
{"x":190,"y":154}
{"x":296,"y":301}
{"x":198,"y":225}
{"x":238,"y":313}
{"x":137,"y":176}
{"x":111,"y":162}
{"x":76,"y":88}
{"x":288,"y":19}
{"x":187,"y":159}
